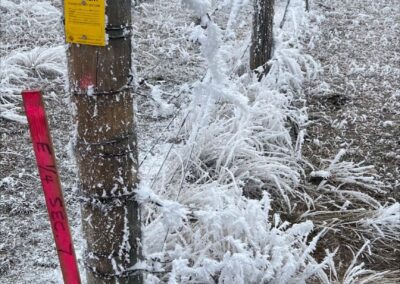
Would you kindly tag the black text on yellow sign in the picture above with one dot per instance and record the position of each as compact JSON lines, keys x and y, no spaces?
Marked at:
{"x":85,"y":22}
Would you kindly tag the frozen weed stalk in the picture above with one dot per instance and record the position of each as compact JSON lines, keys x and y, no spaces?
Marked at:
{"x":237,"y":144}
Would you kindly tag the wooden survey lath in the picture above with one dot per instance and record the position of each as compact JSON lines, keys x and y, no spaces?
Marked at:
{"x":85,"y":22}
{"x":46,"y":163}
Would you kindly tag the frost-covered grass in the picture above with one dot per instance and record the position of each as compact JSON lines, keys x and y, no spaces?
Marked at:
{"x":224,"y":196}
{"x":29,"y":50}
{"x":31,"y":69}
{"x":239,"y":163}
{"x":237,"y":146}
{"x":28,"y":24}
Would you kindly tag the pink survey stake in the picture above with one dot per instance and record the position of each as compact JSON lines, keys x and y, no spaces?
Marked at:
{"x":46,"y":162}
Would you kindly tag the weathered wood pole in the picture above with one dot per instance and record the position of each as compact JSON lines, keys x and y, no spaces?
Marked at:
{"x":106,"y":151}
{"x":262,"y":37}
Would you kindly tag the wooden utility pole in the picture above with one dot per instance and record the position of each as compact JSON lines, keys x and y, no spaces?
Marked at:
{"x":106,"y":150}
{"x":262,"y":37}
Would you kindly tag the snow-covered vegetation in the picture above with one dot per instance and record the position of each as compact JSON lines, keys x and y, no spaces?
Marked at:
{"x":30,"y":49}
{"x":228,"y":195}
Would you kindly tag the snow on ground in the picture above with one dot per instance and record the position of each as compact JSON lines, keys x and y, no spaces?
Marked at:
{"x":359,"y":88}
{"x":32,"y":56}
{"x":354,"y":110}
{"x":220,"y":152}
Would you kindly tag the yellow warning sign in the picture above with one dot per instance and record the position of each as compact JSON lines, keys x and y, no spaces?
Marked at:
{"x":85,"y":22}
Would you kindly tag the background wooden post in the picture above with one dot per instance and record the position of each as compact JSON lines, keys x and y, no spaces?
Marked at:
{"x":262,"y":37}
{"x":106,"y":151}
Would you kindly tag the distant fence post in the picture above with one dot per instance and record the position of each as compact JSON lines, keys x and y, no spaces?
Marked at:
{"x":262,"y":36}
